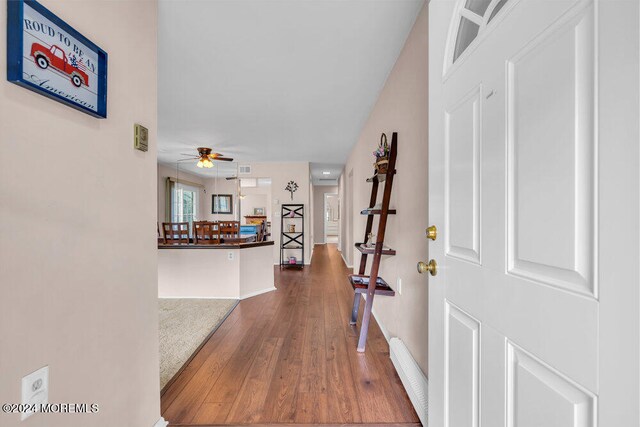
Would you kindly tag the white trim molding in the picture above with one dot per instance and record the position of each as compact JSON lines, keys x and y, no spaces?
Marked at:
{"x":161,"y":423}
{"x":345,"y":260}
{"x":383,"y":329}
{"x":414,"y":381}
{"x":260,"y":292}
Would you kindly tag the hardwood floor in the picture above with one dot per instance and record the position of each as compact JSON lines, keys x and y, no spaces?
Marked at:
{"x":289,"y":357}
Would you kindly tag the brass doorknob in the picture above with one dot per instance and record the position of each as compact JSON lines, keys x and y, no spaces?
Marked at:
{"x":431,"y":267}
{"x":432,"y":232}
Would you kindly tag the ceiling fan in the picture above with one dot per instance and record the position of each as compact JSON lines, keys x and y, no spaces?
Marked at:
{"x":205,"y":157}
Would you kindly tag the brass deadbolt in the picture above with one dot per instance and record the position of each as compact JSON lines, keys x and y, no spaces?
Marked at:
{"x":432,"y":232}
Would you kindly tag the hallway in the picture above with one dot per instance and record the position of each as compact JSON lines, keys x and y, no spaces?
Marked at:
{"x":289,"y":356}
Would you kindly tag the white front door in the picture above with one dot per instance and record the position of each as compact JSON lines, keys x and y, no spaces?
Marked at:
{"x":534,"y":187}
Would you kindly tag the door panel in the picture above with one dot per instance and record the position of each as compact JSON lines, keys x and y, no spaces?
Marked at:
{"x":462,"y":182}
{"x":532,"y":385}
{"x":462,"y":373}
{"x":550,"y":157}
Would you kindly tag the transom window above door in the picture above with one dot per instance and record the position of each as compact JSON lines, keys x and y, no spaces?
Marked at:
{"x":472,"y":18}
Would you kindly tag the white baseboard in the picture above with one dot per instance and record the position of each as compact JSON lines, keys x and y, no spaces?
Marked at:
{"x":345,"y":260}
{"x":161,"y":423}
{"x":245,"y":296}
{"x":414,"y":381}
{"x":260,"y":292}
{"x":383,"y":329}
{"x":193,"y":297}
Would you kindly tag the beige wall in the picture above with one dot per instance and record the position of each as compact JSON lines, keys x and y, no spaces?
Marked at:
{"x":347,"y":213}
{"x":219,"y":186}
{"x":77,"y":255}
{"x":281,"y":174}
{"x":256,"y":197}
{"x":401,"y":107}
{"x":318,"y":210}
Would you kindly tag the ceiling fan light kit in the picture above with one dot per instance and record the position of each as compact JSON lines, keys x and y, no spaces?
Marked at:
{"x":204,"y":163}
{"x":205,"y":157}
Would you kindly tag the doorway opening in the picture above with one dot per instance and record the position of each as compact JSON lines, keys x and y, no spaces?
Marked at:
{"x":331,"y":218}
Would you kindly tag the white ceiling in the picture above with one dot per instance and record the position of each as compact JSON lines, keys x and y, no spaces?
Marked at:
{"x":319,"y":177}
{"x":274,"y":80}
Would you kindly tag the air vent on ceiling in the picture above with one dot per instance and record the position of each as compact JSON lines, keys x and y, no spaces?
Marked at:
{"x":327,"y":179}
{"x":244,"y":169}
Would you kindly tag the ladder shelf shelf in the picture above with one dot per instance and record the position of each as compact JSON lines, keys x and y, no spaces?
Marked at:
{"x":371,"y":250}
{"x":376,"y":211}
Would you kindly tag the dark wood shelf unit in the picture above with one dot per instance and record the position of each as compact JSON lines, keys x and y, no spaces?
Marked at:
{"x":360,"y":285}
{"x":291,"y":213}
{"x":371,"y":251}
{"x":372,"y":211}
{"x":372,"y":284}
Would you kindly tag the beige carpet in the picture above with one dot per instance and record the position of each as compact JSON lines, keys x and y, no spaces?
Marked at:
{"x":184,"y":324}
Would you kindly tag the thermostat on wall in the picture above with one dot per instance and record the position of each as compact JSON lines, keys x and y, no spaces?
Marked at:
{"x":141,"y":137}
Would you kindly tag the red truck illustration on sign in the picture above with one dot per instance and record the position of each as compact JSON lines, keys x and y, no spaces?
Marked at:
{"x":55,"y":57}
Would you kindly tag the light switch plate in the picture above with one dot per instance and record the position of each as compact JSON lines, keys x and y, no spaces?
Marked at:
{"x":35,"y":389}
{"x":230,"y":255}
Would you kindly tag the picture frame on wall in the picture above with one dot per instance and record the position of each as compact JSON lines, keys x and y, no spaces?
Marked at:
{"x":48,"y":56}
{"x":259,"y":211}
{"x":222,"y":204}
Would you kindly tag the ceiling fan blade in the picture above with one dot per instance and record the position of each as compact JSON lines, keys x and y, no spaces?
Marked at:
{"x":187,"y":154}
{"x":225,"y":159}
{"x":188,"y":160}
{"x":231,"y":178}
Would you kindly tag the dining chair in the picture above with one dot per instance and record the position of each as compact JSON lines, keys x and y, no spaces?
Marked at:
{"x":230,"y":228}
{"x":206,"y":233}
{"x":175,"y":233}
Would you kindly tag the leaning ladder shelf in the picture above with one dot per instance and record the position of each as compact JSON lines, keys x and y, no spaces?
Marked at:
{"x":372,"y":284}
{"x":291,"y":214}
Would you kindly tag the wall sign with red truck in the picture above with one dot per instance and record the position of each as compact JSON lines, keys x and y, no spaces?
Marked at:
{"x":48,"y":56}
{"x":55,"y":57}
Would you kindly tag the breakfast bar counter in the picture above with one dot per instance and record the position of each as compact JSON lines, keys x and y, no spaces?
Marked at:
{"x":234,"y":271}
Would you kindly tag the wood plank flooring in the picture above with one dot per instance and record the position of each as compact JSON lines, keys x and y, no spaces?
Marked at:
{"x":289,"y":357}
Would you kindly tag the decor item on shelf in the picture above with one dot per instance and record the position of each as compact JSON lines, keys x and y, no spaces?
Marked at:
{"x":46,"y":55}
{"x":292,"y":228}
{"x":372,"y":284}
{"x":293,"y":260}
{"x":222,"y":204}
{"x":382,"y":155}
{"x":370,"y":241}
{"x":291,"y":187}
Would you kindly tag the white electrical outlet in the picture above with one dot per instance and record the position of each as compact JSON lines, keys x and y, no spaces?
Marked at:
{"x":35,"y":389}
{"x":399,"y":286}
{"x":230,"y":255}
